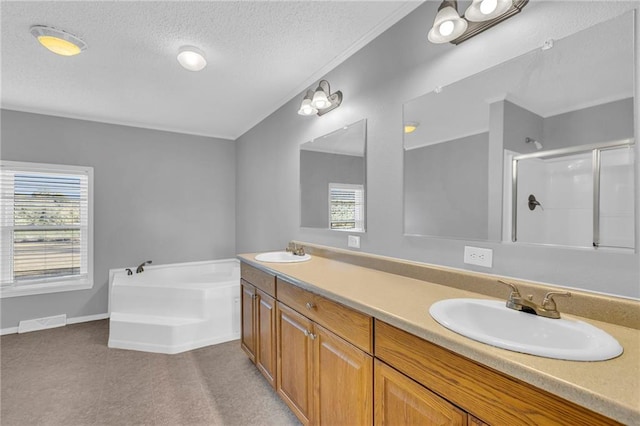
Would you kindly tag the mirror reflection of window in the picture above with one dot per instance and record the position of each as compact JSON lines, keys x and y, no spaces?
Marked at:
{"x":336,"y":158}
{"x":346,"y":207}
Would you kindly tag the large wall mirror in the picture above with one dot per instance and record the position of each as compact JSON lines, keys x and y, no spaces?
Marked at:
{"x":332,"y":180}
{"x":550,"y":109}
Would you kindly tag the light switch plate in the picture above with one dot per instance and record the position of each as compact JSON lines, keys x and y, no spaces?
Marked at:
{"x":478,"y":256}
{"x":353,"y":241}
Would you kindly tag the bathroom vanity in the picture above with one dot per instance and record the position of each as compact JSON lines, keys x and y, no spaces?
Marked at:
{"x":348,"y":344}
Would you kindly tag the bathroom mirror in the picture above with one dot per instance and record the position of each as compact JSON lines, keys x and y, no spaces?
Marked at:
{"x":332,"y":180}
{"x":568,"y":93}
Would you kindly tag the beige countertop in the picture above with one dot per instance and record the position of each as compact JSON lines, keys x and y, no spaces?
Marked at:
{"x":611,"y":387}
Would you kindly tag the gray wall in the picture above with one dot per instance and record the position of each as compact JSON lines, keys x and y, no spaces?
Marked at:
{"x":601,"y":123}
{"x":398,"y":66}
{"x":163,"y":196}
{"x":446,"y":189}
{"x":318,"y":169}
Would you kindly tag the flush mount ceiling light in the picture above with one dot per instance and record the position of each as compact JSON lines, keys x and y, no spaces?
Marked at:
{"x":191,"y":58}
{"x":320,"y":101}
{"x":58,"y":41}
{"x":479,"y":16}
{"x":410,"y":126}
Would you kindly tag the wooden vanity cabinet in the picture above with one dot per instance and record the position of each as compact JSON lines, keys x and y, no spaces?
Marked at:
{"x":488,"y":394}
{"x":325,"y":379}
{"x":258,"y":331}
{"x":401,"y":401}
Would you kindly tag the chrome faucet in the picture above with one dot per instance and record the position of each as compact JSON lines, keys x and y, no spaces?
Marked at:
{"x":295,"y":249}
{"x":547,"y":309}
{"x":140,"y":267}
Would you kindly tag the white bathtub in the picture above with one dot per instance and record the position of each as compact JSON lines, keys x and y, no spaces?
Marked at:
{"x":175,"y":308}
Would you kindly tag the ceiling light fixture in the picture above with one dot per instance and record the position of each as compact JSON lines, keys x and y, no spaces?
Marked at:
{"x":58,"y":41}
{"x":449,"y":26}
{"x":191,"y":58}
{"x":410,"y":126}
{"x":320,"y":101}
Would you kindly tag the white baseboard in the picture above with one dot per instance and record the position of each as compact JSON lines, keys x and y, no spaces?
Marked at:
{"x":75,"y":320}
{"x":87,"y":318}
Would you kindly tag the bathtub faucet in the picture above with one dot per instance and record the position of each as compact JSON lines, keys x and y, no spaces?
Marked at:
{"x":140,"y":267}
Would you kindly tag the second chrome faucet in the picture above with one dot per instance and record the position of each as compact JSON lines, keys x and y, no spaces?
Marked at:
{"x":547,"y":309}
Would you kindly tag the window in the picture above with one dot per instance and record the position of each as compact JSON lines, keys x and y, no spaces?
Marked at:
{"x":346,"y":207}
{"x":45,"y":228}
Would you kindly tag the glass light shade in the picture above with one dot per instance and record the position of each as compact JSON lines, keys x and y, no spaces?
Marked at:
{"x":447,"y":26}
{"x":306,"y":108}
{"x":485,"y":10}
{"x":58,"y":41}
{"x":192,"y":58}
{"x":320,"y":100}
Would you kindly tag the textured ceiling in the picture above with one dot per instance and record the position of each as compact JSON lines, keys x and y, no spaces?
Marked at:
{"x":260,"y":54}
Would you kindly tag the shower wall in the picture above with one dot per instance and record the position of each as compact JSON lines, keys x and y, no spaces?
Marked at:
{"x":564,"y":188}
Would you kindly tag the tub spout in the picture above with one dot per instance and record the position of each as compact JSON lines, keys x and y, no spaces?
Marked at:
{"x":140,"y":267}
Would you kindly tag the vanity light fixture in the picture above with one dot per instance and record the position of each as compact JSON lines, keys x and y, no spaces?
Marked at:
{"x":320,"y":101}
{"x":410,"y":127}
{"x":58,"y":41}
{"x":449,"y":26}
{"x":191,"y":58}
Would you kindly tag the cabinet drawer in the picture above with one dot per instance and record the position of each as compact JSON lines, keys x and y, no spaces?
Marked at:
{"x":264,"y":281}
{"x":347,"y":323}
{"x":479,"y":390}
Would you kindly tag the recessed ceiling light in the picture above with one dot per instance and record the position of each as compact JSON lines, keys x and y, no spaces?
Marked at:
{"x":58,"y":41}
{"x":192,"y":58}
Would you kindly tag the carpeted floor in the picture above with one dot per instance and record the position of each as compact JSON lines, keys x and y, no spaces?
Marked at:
{"x":68,"y":376}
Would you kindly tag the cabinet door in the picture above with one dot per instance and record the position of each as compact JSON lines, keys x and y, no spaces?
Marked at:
{"x":266,"y":336}
{"x":401,"y":401}
{"x":294,"y":371}
{"x":248,"y":338}
{"x":343,"y":381}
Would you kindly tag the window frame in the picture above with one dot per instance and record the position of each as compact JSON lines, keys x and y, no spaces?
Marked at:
{"x":354,"y":187}
{"x":51,"y":285}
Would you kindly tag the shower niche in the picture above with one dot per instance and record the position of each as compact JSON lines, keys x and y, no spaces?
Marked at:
{"x":579,"y":197}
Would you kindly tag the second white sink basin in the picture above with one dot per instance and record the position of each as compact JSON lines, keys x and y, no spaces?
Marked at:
{"x":491,"y":322}
{"x":281,"y":257}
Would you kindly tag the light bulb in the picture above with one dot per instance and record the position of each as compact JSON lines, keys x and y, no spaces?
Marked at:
{"x":306,"y":108}
{"x":320,"y":100}
{"x":488,"y":6}
{"x":446,"y":28}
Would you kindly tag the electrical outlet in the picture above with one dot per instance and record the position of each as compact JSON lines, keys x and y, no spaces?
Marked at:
{"x":478,"y":256}
{"x":353,"y":241}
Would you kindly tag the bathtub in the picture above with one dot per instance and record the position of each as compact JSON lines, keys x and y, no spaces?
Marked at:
{"x":175,"y":308}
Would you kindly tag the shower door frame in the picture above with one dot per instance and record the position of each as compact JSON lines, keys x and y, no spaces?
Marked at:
{"x":596,"y":149}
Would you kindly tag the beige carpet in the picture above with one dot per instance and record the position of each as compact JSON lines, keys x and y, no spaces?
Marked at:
{"x":68,"y":376}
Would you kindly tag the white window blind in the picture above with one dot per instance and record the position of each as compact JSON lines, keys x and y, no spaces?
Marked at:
{"x":45,"y":224}
{"x":346,"y":207}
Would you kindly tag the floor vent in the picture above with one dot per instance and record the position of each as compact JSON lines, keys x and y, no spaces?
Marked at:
{"x":42,"y":323}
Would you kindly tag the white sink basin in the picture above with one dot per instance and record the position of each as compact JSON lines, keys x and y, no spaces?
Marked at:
{"x":491,"y":322}
{"x":281,"y":257}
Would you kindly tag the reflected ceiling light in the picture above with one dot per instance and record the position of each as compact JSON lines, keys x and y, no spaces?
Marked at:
{"x":58,"y":41}
{"x":479,"y":16}
{"x":410,"y":126}
{"x":320,"y":101}
{"x":191,"y":58}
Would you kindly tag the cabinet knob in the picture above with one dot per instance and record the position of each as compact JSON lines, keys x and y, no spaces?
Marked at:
{"x":312,"y":336}
{"x":310,"y":305}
